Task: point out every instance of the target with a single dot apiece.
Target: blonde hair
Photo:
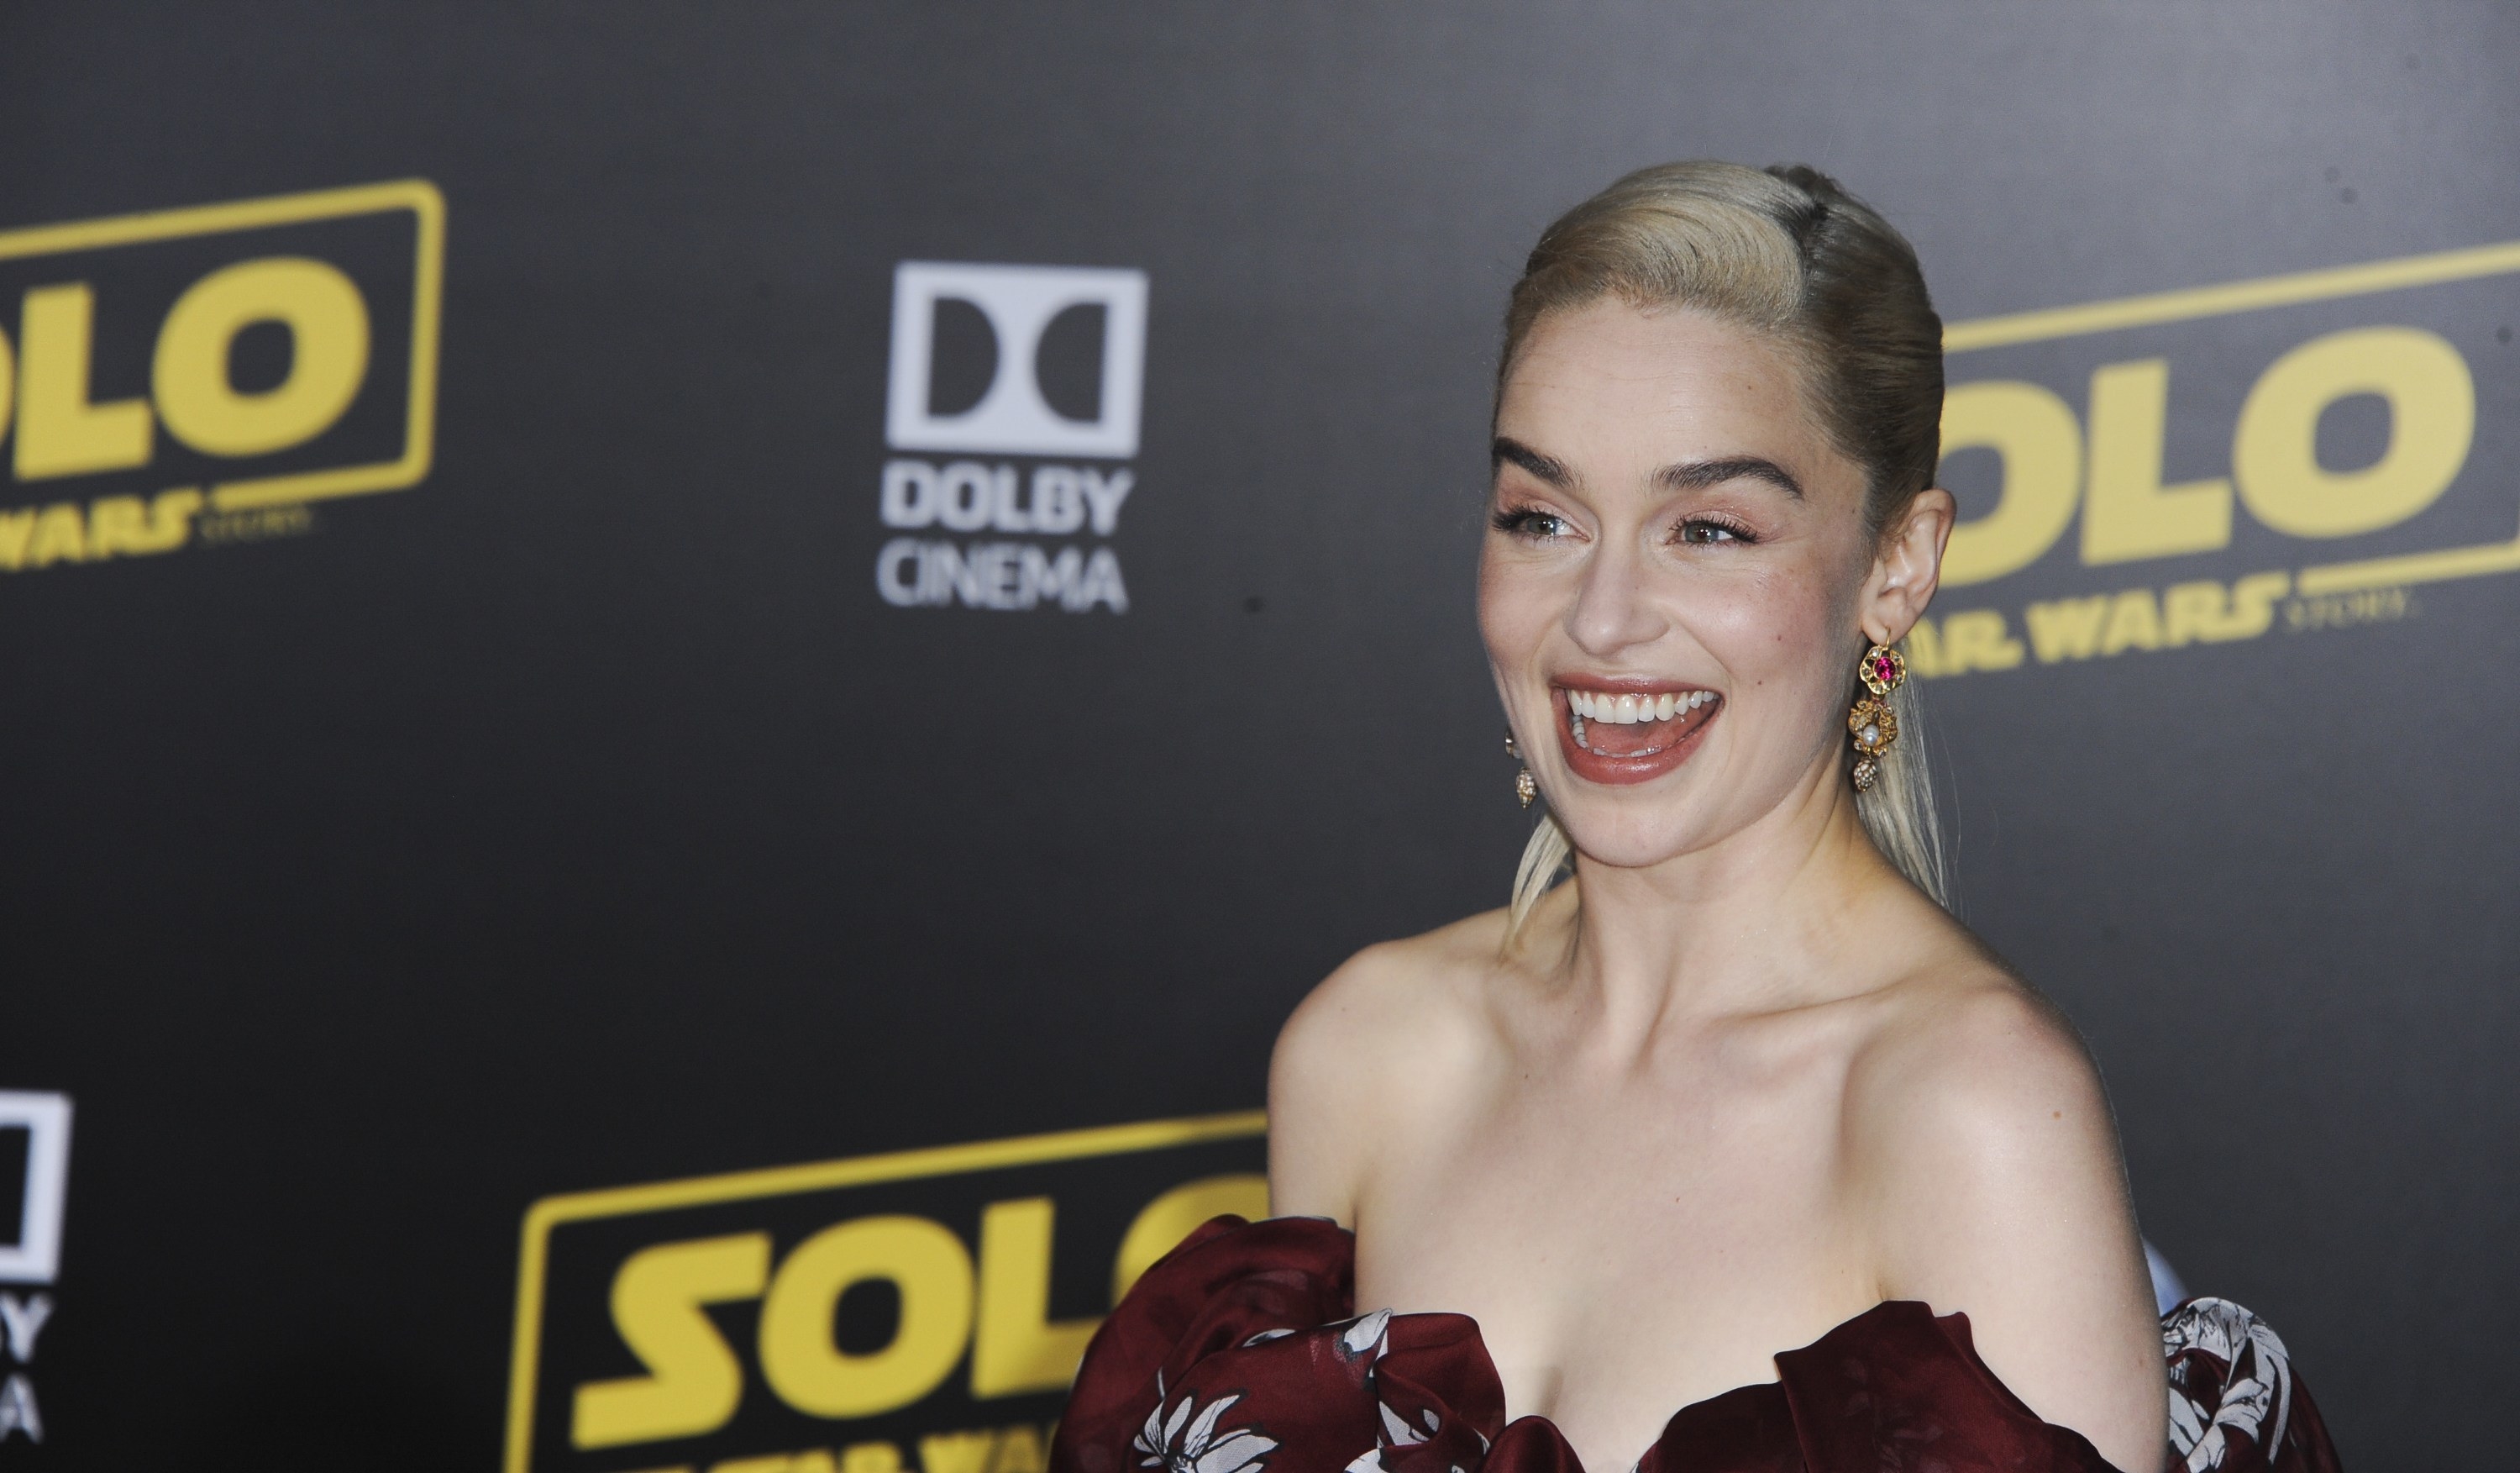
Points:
(1783, 251)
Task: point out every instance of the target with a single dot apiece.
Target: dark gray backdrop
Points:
(582, 816)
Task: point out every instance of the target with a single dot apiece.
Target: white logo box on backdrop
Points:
(35, 1254)
(1014, 418)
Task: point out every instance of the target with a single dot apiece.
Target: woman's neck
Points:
(1770, 917)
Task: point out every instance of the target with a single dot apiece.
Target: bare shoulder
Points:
(1986, 1162)
(1972, 1088)
(1374, 1038)
(1966, 1052)
(1388, 992)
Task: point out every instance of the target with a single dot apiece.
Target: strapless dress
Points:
(1243, 1352)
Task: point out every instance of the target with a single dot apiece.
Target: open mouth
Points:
(1632, 735)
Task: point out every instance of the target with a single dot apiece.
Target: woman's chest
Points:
(1623, 1260)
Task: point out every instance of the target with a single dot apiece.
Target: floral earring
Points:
(1872, 722)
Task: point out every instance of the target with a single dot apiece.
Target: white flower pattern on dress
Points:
(1370, 1337)
(2256, 1404)
(1184, 1442)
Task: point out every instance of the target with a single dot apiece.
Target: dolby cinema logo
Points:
(34, 1171)
(1013, 417)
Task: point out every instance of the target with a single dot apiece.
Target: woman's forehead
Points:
(1611, 389)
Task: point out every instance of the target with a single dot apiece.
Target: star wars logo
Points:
(34, 1175)
(1042, 362)
(202, 374)
(2293, 452)
(918, 1312)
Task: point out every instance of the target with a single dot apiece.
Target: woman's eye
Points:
(1702, 533)
(1530, 522)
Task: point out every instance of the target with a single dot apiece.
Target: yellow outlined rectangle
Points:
(429, 209)
(2289, 290)
(781, 1182)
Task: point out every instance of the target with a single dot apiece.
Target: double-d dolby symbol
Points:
(1013, 416)
(30, 1248)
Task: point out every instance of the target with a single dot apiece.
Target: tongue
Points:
(1643, 737)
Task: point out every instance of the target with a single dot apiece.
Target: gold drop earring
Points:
(1525, 787)
(1872, 722)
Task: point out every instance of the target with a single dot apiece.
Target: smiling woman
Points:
(1830, 287)
(1743, 1084)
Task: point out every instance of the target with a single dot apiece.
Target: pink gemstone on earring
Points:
(1882, 667)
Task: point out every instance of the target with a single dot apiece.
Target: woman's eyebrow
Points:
(1698, 475)
(1506, 449)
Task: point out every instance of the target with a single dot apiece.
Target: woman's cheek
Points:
(1513, 612)
(1762, 627)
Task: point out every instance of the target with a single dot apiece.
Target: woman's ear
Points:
(1908, 566)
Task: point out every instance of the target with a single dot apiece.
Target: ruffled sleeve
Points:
(2235, 1404)
(1176, 1375)
(1898, 1387)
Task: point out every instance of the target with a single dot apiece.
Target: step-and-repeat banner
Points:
(688, 685)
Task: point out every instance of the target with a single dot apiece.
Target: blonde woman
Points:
(1737, 1120)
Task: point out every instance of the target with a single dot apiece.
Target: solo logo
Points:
(213, 369)
(34, 1170)
(923, 1311)
(2297, 444)
(1036, 361)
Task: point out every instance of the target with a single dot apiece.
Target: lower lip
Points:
(1622, 771)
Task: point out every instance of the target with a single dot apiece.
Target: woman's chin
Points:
(1629, 841)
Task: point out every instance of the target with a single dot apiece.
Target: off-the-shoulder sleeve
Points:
(1899, 1388)
(1896, 1388)
(1242, 1353)
(1166, 1379)
(2237, 1405)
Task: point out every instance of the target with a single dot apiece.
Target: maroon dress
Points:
(1243, 1352)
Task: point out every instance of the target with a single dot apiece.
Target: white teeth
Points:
(1627, 709)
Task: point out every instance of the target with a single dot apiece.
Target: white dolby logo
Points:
(996, 362)
(1018, 302)
(32, 1252)
(38, 1123)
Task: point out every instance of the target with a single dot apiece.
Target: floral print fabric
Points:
(1243, 1352)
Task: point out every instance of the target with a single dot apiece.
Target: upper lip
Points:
(1623, 685)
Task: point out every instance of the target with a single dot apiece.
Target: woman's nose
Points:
(1612, 612)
